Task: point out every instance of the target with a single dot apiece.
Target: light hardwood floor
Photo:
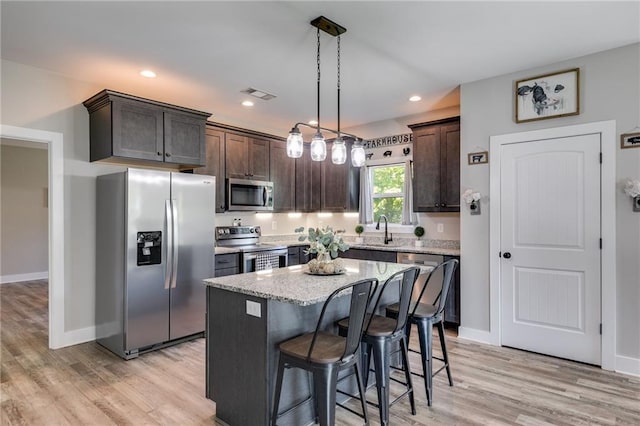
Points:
(87, 385)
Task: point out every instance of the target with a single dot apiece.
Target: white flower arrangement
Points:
(632, 188)
(323, 241)
(471, 197)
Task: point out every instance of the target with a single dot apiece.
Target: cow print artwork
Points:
(547, 96)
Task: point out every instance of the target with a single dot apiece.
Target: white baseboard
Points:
(628, 365)
(475, 335)
(24, 277)
(75, 337)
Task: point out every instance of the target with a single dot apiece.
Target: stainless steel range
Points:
(254, 255)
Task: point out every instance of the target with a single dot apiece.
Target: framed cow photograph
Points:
(630, 140)
(548, 96)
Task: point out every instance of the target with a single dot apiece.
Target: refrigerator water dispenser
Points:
(149, 248)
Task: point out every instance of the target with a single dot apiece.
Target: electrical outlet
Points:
(441, 227)
(274, 225)
(253, 309)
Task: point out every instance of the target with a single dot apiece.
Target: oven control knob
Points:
(252, 230)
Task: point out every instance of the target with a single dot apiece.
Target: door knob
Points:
(507, 255)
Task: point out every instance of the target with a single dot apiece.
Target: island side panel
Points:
(236, 358)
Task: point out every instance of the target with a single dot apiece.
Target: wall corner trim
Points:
(476, 335)
(627, 365)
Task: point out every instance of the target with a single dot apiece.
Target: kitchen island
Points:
(248, 315)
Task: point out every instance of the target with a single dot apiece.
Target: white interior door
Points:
(550, 242)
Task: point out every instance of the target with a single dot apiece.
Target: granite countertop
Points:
(438, 247)
(293, 285)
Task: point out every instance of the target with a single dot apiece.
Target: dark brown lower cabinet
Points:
(227, 264)
(366, 254)
(452, 305)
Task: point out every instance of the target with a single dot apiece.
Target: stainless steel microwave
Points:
(253, 195)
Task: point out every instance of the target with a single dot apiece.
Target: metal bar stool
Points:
(324, 355)
(425, 316)
(379, 334)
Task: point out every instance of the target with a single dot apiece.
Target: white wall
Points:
(38, 99)
(24, 213)
(609, 90)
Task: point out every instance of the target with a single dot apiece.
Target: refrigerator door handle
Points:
(168, 243)
(174, 244)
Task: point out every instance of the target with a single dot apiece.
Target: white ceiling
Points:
(205, 53)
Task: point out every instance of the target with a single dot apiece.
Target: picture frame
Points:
(630, 140)
(547, 96)
(481, 157)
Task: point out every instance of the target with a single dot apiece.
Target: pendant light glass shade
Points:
(294, 143)
(338, 151)
(318, 148)
(357, 155)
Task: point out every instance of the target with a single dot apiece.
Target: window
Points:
(387, 184)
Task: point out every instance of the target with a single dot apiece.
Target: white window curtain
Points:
(408, 216)
(366, 200)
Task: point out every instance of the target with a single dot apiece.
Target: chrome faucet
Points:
(387, 237)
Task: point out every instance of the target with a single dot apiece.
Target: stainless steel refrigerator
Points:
(154, 246)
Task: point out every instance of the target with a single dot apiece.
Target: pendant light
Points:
(318, 143)
(358, 157)
(339, 148)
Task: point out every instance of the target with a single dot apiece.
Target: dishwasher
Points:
(435, 283)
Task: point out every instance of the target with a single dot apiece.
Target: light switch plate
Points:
(253, 309)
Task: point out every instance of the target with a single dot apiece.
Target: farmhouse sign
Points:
(388, 141)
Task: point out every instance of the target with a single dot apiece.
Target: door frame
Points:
(54, 141)
(607, 131)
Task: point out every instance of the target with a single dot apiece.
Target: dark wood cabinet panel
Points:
(137, 130)
(215, 163)
(237, 161)
(450, 168)
(366, 254)
(436, 166)
(131, 130)
(426, 169)
(452, 305)
(259, 159)
(247, 157)
(308, 182)
(184, 139)
(227, 264)
(340, 189)
(283, 176)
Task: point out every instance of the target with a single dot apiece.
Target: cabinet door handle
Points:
(167, 155)
(444, 204)
(159, 153)
(437, 204)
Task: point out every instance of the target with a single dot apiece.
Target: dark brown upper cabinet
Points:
(308, 182)
(283, 176)
(322, 186)
(247, 157)
(215, 163)
(436, 166)
(131, 130)
(340, 189)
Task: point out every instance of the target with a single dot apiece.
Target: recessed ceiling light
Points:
(148, 73)
(313, 122)
(415, 98)
(247, 103)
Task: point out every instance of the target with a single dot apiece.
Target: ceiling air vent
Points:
(258, 94)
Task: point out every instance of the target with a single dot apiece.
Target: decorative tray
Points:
(324, 274)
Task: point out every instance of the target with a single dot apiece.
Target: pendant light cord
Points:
(318, 62)
(338, 86)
